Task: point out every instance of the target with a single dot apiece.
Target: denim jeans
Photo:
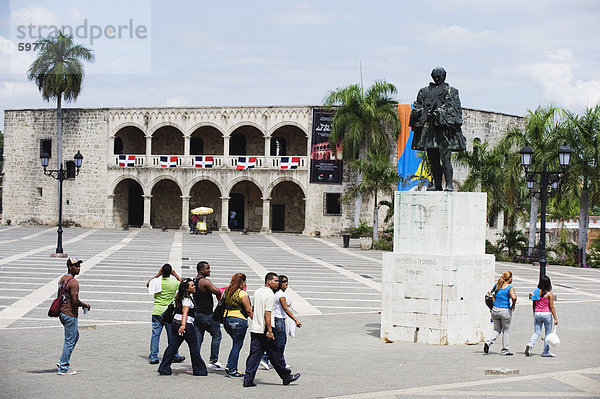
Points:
(539, 319)
(71, 338)
(236, 328)
(189, 336)
(280, 334)
(502, 318)
(202, 323)
(157, 326)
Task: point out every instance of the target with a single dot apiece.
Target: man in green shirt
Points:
(163, 296)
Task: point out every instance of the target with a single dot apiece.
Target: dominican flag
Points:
(289, 162)
(126, 161)
(168, 162)
(244, 163)
(203, 161)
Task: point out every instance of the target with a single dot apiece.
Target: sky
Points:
(503, 56)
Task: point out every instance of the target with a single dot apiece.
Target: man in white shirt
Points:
(261, 334)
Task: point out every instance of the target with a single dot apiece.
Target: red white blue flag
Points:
(126, 161)
(289, 162)
(244, 163)
(168, 162)
(203, 161)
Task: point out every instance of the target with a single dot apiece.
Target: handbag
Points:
(489, 299)
(168, 315)
(219, 312)
(552, 338)
(54, 310)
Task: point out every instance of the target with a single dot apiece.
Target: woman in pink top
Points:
(543, 311)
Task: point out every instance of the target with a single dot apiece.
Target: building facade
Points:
(149, 167)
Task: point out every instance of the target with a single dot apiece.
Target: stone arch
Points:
(227, 189)
(294, 137)
(163, 177)
(285, 123)
(126, 124)
(167, 140)
(132, 138)
(288, 207)
(204, 124)
(245, 199)
(253, 137)
(123, 177)
(128, 202)
(166, 204)
(188, 187)
(164, 124)
(206, 139)
(206, 192)
(242, 124)
(275, 182)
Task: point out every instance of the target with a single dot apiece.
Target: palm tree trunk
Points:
(362, 151)
(375, 220)
(535, 204)
(584, 220)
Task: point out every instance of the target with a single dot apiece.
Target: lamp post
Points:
(548, 183)
(61, 174)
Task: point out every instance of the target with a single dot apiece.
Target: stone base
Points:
(435, 299)
(55, 255)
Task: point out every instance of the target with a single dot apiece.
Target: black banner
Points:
(325, 168)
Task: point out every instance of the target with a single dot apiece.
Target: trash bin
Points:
(346, 238)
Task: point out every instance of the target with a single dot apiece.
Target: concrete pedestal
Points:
(434, 282)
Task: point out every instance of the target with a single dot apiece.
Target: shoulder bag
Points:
(54, 310)
(219, 312)
(169, 313)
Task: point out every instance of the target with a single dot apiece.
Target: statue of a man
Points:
(436, 119)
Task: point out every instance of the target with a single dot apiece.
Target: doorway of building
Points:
(136, 206)
(236, 211)
(279, 217)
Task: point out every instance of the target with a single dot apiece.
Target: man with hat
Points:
(69, 307)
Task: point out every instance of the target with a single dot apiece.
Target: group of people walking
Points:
(193, 301)
(505, 299)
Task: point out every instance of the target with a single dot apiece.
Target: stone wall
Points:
(90, 200)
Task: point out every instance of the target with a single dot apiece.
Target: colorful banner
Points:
(325, 163)
(410, 162)
(203, 161)
(168, 162)
(245, 163)
(289, 162)
(126, 161)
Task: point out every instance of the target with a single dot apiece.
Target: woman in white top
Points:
(183, 329)
(281, 308)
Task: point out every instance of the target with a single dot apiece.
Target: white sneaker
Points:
(264, 365)
(287, 366)
(549, 354)
(216, 366)
(69, 372)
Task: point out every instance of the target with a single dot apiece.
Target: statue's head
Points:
(439, 75)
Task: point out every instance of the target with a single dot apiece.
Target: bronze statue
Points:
(436, 119)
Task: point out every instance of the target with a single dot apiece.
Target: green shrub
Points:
(386, 240)
(363, 230)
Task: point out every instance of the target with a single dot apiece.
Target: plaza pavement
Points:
(336, 294)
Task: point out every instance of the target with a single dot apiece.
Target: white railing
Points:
(219, 161)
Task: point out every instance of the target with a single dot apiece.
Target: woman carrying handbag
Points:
(543, 312)
(502, 312)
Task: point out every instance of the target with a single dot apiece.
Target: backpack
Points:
(54, 310)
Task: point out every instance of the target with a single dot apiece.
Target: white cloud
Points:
(558, 83)
(39, 16)
(301, 14)
(14, 89)
(458, 36)
(176, 102)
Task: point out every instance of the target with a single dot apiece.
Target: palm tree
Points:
(379, 174)
(364, 122)
(582, 134)
(490, 171)
(58, 73)
(540, 129)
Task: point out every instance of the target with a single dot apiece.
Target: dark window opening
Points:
(196, 146)
(332, 204)
(46, 147)
(118, 147)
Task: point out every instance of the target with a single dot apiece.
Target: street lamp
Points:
(548, 183)
(61, 175)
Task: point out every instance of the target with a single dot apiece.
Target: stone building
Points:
(149, 166)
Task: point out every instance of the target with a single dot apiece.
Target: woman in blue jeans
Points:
(543, 312)
(237, 311)
(183, 329)
(281, 309)
(502, 312)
